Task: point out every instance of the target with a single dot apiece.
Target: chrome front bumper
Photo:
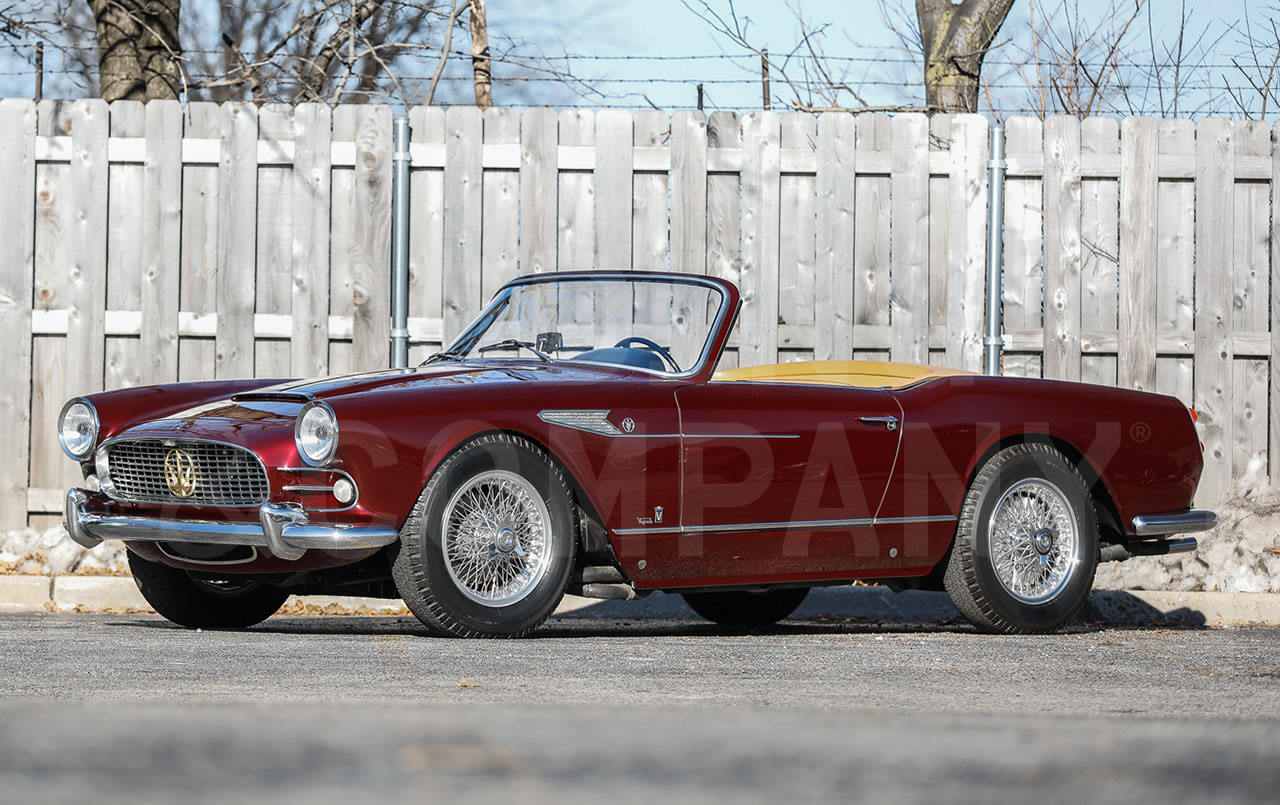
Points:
(284, 531)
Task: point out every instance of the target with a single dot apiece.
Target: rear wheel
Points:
(204, 602)
(1026, 544)
(489, 546)
(746, 607)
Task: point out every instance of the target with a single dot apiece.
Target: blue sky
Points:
(659, 35)
(667, 28)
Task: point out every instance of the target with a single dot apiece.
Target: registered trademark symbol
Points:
(1140, 432)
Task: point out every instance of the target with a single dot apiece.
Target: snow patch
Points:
(52, 553)
(1241, 555)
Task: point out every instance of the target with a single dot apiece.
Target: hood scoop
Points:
(273, 396)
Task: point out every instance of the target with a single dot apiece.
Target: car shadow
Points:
(667, 616)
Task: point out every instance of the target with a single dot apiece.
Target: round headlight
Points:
(316, 432)
(78, 428)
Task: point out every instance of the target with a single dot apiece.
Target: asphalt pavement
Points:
(600, 705)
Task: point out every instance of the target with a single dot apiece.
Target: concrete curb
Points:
(872, 604)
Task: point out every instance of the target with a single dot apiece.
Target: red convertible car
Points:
(579, 438)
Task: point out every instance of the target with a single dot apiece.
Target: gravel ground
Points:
(127, 708)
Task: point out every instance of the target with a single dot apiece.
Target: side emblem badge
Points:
(180, 473)
(628, 424)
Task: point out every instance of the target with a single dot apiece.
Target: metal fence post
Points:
(400, 246)
(995, 252)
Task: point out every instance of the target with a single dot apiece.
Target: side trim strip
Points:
(597, 421)
(811, 525)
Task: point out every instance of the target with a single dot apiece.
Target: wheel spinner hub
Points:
(1043, 541)
(505, 541)
(1033, 540)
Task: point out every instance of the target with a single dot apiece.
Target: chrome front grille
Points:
(185, 471)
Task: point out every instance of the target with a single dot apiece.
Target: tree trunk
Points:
(480, 55)
(138, 49)
(956, 37)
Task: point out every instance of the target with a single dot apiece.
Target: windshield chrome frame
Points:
(485, 319)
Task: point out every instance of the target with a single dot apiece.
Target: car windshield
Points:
(654, 324)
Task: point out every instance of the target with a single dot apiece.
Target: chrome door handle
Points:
(889, 422)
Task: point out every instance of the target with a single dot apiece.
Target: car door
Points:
(781, 481)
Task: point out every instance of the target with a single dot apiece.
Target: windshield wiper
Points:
(444, 356)
(512, 343)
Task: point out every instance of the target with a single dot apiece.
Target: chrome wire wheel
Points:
(1033, 541)
(496, 538)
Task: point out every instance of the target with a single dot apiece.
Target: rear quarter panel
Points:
(1143, 448)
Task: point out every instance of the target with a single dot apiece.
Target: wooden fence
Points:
(148, 244)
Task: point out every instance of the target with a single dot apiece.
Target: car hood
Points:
(443, 375)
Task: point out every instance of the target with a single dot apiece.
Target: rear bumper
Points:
(284, 531)
(1184, 522)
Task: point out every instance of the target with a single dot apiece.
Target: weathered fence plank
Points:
(939, 234)
(538, 174)
(1062, 259)
(309, 254)
(500, 247)
(871, 243)
(967, 242)
(1251, 295)
(1100, 245)
(761, 175)
(796, 244)
(909, 302)
(427, 232)
(576, 203)
(125, 223)
(274, 242)
(1175, 291)
(1215, 208)
(1138, 253)
(197, 286)
(650, 236)
(161, 243)
(17, 280)
(1274, 396)
(463, 205)
(371, 243)
(88, 234)
(614, 191)
(689, 192)
(237, 213)
(833, 234)
(1024, 270)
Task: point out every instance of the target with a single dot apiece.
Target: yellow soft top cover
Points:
(859, 374)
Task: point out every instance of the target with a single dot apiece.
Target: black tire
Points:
(204, 603)
(432, 587)
(1042, 498)
(746, 607)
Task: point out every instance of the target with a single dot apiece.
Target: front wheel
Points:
(746, 607)
(1026, 544)
(489, 546)
(199, 602)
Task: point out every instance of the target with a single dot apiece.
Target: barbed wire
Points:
(748, 60)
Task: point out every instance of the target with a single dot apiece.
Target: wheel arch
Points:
(1109, 524)
(589, 539)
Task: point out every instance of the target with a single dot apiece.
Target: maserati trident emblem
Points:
(180, 473)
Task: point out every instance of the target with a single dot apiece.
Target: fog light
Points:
(344, 490)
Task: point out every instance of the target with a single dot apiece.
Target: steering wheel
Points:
(652, 347)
